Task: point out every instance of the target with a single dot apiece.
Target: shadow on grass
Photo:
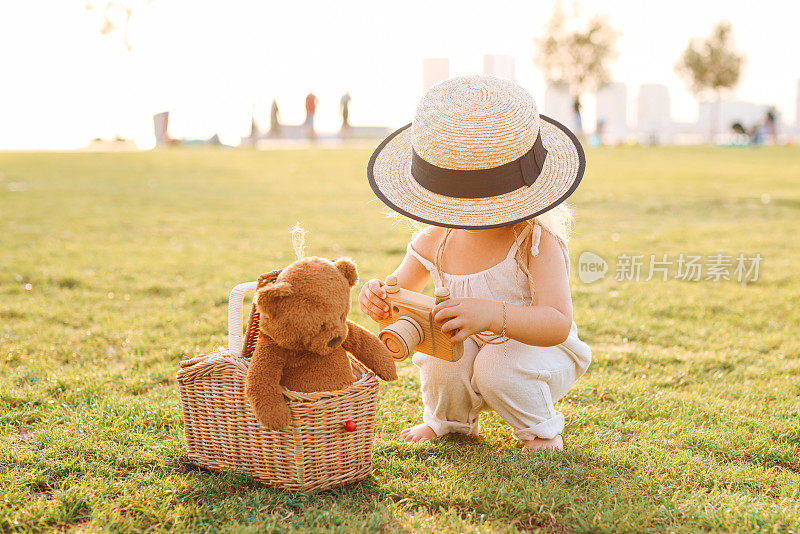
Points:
(470, 478)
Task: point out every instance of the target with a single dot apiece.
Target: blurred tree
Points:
(711, 65)
(576, 54)
(115, 21)
(117, 16)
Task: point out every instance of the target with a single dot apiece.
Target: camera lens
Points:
(402, 337)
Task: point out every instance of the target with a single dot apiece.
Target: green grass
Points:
(687, 420)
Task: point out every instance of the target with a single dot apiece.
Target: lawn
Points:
(116, 266)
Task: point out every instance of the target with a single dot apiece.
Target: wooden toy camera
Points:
(410, 326)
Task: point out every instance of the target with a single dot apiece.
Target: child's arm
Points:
(411, 275)
(544, 324)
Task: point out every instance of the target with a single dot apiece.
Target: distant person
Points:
(576, 110)
(742, 135)
(311, 109)
(344, 107)
(757, 134)
(274, 120)
(739, 129)
(597, 139)
(769, 126)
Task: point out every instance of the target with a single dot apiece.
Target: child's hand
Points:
(372, 301)
(465, 316)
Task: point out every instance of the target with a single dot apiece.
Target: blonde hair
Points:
(558, 221)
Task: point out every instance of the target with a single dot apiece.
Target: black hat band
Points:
(481, 183)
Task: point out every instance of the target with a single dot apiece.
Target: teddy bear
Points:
(305, 335)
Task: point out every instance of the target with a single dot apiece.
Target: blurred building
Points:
(161, 127)
(558, 104)
(612, 111)
(498, 65)
(434, 70)
(654, 115)
(797, 109)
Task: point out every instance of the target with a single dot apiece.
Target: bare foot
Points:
(550, 445)
(418, 434)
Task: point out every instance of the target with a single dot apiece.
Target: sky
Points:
(213, 64)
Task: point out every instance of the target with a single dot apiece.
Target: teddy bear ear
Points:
(271, 293)
(348, 268)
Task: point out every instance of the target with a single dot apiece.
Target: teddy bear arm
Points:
(368, 349)
(263, 387)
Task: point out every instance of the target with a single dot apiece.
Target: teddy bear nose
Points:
(334, 341)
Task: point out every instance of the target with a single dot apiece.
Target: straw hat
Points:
(478, 155)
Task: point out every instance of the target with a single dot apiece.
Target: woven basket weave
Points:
(315, 452)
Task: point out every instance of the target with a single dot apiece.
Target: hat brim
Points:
(389, 174)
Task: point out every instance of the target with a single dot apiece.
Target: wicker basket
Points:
(314, 452)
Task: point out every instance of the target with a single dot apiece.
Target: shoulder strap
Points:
(536, 236)
(420, 258)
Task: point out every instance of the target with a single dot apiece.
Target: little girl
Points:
(489, 175)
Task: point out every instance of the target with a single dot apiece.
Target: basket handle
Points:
(235, 304)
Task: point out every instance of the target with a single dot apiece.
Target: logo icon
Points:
(591, 267)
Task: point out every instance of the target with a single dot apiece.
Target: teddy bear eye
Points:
(322, 325)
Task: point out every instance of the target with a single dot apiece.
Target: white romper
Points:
(520, 384)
